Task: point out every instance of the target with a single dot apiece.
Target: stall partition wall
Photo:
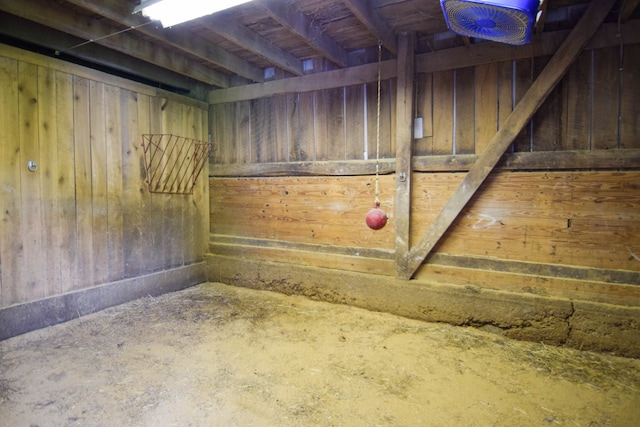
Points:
(83, 215)
(559, 216)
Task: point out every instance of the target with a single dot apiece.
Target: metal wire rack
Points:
(173, 163)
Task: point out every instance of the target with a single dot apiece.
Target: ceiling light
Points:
(173, 12)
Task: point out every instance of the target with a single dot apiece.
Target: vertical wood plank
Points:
(354, 122)
(522, 81)
(148, 216)
(464, 111)
(321, 128)
(336, 142)
(283, 127)
(404, 138)
(31, 193)
(11, 248)
(387, 101)
(303, 143)
(606, 96)
(548, 120)
(65, 180)
(263, 138)
(51, 238)
(486, 104)
(158, 236)
(131, 182)
(187, 208)
(99, 167)
(424, 108)
(578, 104)
(174, 254)
(115, 195)
(505, 92)
(630, 114)
(242, 132)
(84, 215)
(443, 112)
(202, 199)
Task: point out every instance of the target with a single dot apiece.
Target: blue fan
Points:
(506, 21)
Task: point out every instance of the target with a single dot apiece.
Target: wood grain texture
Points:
(85, 217)
(535, 96)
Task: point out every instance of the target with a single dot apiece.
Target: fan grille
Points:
(488, 22)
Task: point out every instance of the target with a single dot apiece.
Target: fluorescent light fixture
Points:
(173, 12)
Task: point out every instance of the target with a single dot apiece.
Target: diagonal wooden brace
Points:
(522, 113)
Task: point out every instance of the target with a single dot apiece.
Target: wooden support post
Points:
(535, 96)
(404, 138)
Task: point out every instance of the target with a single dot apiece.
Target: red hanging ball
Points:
(376, 218)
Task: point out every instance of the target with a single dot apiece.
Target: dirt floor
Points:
(215, 355)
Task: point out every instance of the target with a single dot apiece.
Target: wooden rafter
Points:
(55, 16)
(176, 38)
(522, 113)
(299, 24)
(226, 27)
(365, 13)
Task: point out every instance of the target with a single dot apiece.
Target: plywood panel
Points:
(11, 248)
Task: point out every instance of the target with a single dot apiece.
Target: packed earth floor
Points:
(214, 355)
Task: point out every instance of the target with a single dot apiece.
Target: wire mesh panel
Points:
(173, 163)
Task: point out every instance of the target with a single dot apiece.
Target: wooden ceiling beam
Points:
(627, 8)
(299, 24)
(522, 113)
(52, 15)
(225, 26)
(175, 37)
(365, 13)
(48, 38)
(442, 60)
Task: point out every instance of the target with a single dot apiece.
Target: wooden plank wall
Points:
(86, 216)
(568, 216)
(461, 111)
(332, 124)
